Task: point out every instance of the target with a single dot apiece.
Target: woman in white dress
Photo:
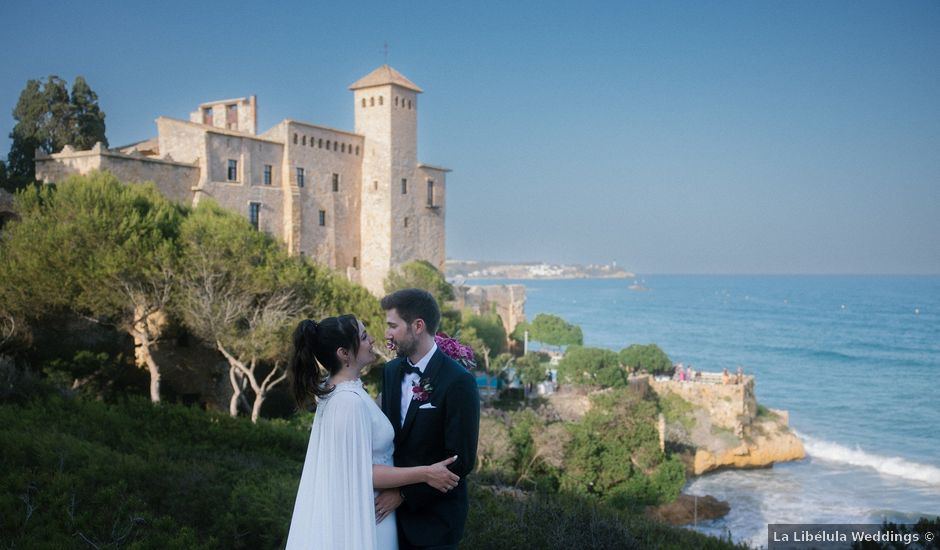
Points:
(349, 455)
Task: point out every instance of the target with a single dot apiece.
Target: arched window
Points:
(372, 101)
(327, 145)
(295, 138)
(396, 101)
(380, 100)
(357, 150)
(363, 102)
(320, 143)
(304, 140)
(409, 104)
(342, 147)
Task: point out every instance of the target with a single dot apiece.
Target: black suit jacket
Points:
(428, 517)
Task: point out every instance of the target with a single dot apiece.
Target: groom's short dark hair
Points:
(414, 303)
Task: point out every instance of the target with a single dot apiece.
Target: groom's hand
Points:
(386, 503)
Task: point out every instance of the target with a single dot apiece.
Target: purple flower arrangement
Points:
(461, 353)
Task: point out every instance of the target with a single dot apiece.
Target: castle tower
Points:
(386, 107)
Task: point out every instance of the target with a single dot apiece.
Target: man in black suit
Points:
(434, 405)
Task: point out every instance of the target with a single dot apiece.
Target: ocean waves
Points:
(887, 465)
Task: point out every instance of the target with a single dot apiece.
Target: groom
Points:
(439, 420)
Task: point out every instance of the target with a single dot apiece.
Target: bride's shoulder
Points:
(348, 395)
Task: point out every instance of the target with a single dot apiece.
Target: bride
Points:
(349, 455)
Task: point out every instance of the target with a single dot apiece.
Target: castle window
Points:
(231, 117)
(267, 174)
(380, 100)
(300, 177)
(327, 145)
(322, 218)
(254, 214)
(406, 221)
(363, 102)
(232, 170)
(304, 140)
(409, 104)
(355, 262)
(320, 143)
(404, 186)
(372, 102)
(207, 116)
(430, 193)
(342, 148)
(357, 150)
(375, 185)
(396, 101)
(295, 138)
(335, 183)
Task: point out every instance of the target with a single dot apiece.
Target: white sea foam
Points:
(888, 465)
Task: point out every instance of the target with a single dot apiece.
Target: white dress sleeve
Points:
(335, 506)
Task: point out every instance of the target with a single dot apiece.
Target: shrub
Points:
(649, 357)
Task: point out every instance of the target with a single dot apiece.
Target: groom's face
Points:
(400, 333)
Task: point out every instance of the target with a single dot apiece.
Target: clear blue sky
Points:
(688, 137)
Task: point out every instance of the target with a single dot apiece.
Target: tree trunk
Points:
(145, 359)
(256, 408)
(236, 392)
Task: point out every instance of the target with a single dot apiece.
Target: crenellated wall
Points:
(731, 406)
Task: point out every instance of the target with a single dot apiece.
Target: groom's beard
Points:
(406, 349)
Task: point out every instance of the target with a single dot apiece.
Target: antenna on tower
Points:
(386, 52)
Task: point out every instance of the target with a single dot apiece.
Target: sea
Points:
(854, 359)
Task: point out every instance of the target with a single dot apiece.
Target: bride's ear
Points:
(343, 355)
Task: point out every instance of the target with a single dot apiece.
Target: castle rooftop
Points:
(382, 76)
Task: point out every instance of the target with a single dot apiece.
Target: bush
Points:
(76, 472)
(592, 366)
(649, 358)
(614, 453)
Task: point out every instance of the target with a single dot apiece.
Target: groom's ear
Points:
(420, 326)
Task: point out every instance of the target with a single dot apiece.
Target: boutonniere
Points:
(421, 390)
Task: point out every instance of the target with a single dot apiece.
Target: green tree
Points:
(649, 357)
(532, 368)
(614, 453)
(99, 248)
(485, 334)
(551, 330)
(87, 126)
(242, 294)
(420, 274)
(592, 366)
(48, 119)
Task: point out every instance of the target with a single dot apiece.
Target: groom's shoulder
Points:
(455, 368)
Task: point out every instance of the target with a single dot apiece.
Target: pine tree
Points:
(87, 117)
(48, 119)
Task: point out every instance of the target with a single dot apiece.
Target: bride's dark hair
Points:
(317, 342)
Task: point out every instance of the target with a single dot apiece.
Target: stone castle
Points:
(358, 202)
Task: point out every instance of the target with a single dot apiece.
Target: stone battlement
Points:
(731, 406)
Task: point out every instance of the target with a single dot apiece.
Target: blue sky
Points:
(670, 137)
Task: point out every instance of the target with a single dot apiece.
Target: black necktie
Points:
(408, 368)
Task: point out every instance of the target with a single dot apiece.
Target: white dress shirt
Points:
(410, 379)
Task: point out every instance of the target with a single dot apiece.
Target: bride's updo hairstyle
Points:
(317, 343)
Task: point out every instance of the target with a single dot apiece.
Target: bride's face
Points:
(365, 355)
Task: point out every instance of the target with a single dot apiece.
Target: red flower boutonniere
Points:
(421, 390)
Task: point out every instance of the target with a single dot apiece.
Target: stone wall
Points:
(731, 406)
(508, 300)
(174, 179)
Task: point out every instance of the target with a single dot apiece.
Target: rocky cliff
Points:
(718, 425)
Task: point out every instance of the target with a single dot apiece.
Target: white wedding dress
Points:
(335, 506)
